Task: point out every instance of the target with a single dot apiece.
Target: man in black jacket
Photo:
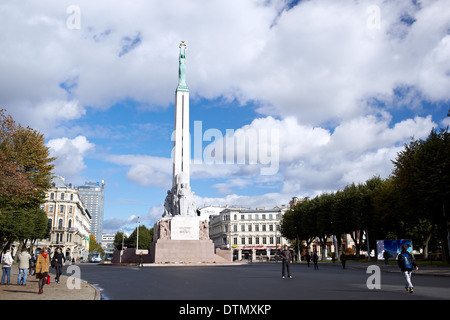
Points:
(58, 262)
(406, 264)
(286, 257)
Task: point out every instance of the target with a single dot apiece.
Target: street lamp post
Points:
(137, 240)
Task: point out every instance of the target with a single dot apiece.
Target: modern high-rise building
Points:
(93, 196)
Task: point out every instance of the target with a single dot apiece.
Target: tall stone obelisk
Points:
(181, 147)
(180, 199)
(181, 236)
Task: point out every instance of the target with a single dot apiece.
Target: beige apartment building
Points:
(69, 220)
(250, 234)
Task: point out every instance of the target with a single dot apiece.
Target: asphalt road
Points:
(257, 282)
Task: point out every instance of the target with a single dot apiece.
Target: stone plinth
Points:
(183, 251)
(182, 240)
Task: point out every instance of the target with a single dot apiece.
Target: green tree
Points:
(25, 173)
(322, 206)
(145, 238)
(21, 224)
(119, 239)
(422, 174)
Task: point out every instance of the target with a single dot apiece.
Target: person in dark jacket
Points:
(343, 259)
(386, 257)
(406, 264)
(286, 257)
(58, 262)
(315, 259)
(308, 258)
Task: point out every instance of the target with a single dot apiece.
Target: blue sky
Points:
(339, 86)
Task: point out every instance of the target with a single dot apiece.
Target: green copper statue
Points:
(182, 69)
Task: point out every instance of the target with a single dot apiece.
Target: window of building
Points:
(61, 208)
(235, 241)
(50, 208)
(60, 223)
(250, 227)
(264, 240)
(242, 227)
(242, 217)
(257, 240)
(62, 196)
(256, 227)
(263, 227)
(235, 227)
(52, 196)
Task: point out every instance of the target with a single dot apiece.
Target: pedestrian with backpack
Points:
(406, 264)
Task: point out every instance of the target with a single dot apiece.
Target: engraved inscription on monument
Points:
(184, 228)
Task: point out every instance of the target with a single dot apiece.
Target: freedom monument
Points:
(180, 236)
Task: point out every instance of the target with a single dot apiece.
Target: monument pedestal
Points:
(183, 251)
(183, 240)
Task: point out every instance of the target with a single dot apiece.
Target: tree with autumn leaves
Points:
(25, 174)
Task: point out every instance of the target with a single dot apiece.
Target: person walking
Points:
(58, 261)
(343, 260)
(308, 258)
(286, 257)
(6, 267)
(33, 265)
(407, 263)
(42, 267)
(24, 263)
(141, 260)
(315, 259)
(386, 257)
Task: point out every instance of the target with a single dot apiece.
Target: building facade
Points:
(251, 234)
(68, 219)
(93, 196)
